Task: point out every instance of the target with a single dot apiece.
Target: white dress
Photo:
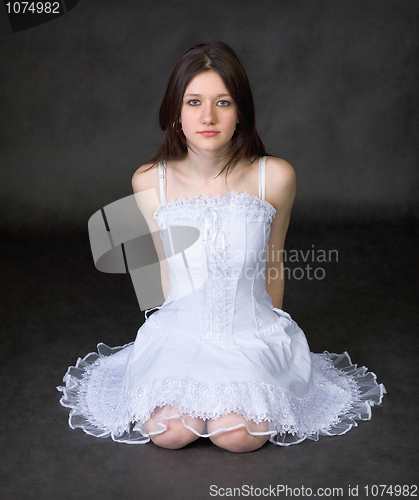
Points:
(222, 347)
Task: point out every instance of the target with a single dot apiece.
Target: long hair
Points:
(221, 58)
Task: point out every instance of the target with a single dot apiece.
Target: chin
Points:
(215, 146)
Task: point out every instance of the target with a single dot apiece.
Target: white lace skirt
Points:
(270, 378)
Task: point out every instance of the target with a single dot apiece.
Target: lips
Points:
(208, 133)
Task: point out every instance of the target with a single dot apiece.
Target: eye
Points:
(193, 102)
(224, 103)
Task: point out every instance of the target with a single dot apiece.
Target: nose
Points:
(208, 114)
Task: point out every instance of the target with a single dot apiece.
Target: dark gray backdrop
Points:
(335, 85)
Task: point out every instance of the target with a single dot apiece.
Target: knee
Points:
(176, 435)
(238, 440)
(172, 439)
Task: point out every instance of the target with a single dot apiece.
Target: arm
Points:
(146, 188)
(280, 192)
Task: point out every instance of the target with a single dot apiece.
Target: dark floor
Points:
(57, 307)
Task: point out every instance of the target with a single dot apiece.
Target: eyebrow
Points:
(199, 95)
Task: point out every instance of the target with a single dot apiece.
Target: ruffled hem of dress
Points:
(369, 393)
(74, 397)
(123, 419)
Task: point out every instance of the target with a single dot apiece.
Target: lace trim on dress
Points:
(94, 389)
(235, 204)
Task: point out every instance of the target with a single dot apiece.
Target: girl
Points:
(220, 358)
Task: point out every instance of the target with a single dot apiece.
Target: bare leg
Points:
(237, 440)
(176, 435)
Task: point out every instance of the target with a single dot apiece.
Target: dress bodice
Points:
(220, 280)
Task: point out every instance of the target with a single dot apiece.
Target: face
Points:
(209, 114)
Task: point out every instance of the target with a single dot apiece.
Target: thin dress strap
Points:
(162, 180)
(261, 177)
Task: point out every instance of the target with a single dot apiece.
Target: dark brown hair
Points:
(221, 58)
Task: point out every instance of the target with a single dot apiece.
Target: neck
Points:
(204, 165)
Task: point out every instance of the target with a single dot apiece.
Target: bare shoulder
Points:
(145, 177)
(280, 183)
(145, 184)
(279, 172)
